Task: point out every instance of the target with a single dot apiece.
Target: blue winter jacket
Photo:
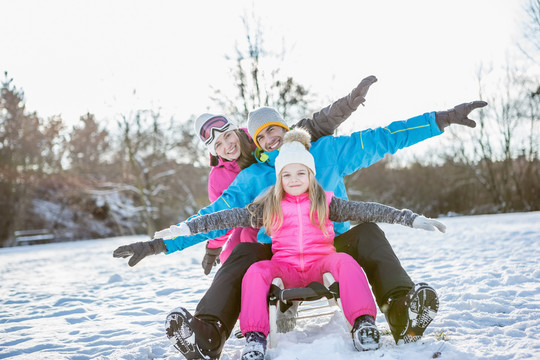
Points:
(335, 157)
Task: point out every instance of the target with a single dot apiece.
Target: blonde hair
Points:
(267, 208)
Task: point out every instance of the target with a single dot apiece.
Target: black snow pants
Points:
(366, 243)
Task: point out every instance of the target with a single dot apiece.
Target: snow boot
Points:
(256, 346)
(195, 338)
(408, 316)
(365, 333)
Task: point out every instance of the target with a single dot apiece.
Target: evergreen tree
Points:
(19, 153)
(87, 147)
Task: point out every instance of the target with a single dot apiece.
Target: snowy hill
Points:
(75, 301)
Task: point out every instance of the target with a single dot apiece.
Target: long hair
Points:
(267, 207)
(247, 146)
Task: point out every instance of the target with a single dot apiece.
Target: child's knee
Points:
(343, 258)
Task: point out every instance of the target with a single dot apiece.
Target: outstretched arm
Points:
(327, 120)
(224, 219)
(341, 210)
(219, 220)
(364, 148)
(247, 185)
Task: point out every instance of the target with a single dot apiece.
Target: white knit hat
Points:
(294, 150)
(209, 128)
(261, 118)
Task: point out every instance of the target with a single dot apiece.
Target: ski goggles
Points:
(211, 126)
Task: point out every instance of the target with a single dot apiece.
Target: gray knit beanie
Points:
(261, 118)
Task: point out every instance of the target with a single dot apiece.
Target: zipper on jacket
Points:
(301, 235)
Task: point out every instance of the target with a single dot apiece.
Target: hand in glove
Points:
(422, 222)
(210, 259)
(358, 94)
(458, 115)
(173, 231)
(140, 250)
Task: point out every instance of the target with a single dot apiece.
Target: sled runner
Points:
(284, 304)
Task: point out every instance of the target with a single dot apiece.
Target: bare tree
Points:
(158, 171)
(258, 80)
(530, 45)
(507, 135)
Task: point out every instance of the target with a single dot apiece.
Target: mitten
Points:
(140, 250)
(358, 94)
(210, 259)
(422, 222)
(328, 119)
(458, 115)
(173, 231)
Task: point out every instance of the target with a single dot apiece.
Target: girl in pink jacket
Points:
(303, 245)
(232, 150)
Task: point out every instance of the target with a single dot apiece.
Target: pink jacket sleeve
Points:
(216, 186)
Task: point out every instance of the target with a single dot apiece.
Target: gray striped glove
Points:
(140, 250)
(458, 115)
(210, 259)
(358, 94)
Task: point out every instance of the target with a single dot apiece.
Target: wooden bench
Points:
(33, 237)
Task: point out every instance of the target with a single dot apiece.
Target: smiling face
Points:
(271, 137)
(295, 179)
(227, 146)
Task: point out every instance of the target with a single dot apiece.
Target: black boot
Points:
(255, 347)
(195, 338)
(365, 333)
(410, 314)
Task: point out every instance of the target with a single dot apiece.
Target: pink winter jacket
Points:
(298, 242)
(219, 179)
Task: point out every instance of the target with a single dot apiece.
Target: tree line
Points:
(147, 172)
(143, 172)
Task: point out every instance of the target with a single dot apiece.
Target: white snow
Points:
(75, 301)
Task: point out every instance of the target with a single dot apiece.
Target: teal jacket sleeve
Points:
(240, 193)
(366, 147)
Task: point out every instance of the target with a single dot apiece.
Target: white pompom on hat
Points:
(295, 150)
(261, 118)
(209, 134)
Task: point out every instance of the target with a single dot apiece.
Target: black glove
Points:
(140, 250)
(458, 115)
(358, 94)
(210, 259)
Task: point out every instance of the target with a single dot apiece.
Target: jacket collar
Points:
(294, 198)
(266, 157)
(231, 165)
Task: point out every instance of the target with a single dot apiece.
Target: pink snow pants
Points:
(355, 293)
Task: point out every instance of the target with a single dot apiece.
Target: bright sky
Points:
(74, 56)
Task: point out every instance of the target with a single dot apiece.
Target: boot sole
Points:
(253, 356)
(182, 336)
(423, 305)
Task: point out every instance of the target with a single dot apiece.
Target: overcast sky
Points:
(73, 56)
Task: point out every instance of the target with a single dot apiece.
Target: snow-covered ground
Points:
(75, 301)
